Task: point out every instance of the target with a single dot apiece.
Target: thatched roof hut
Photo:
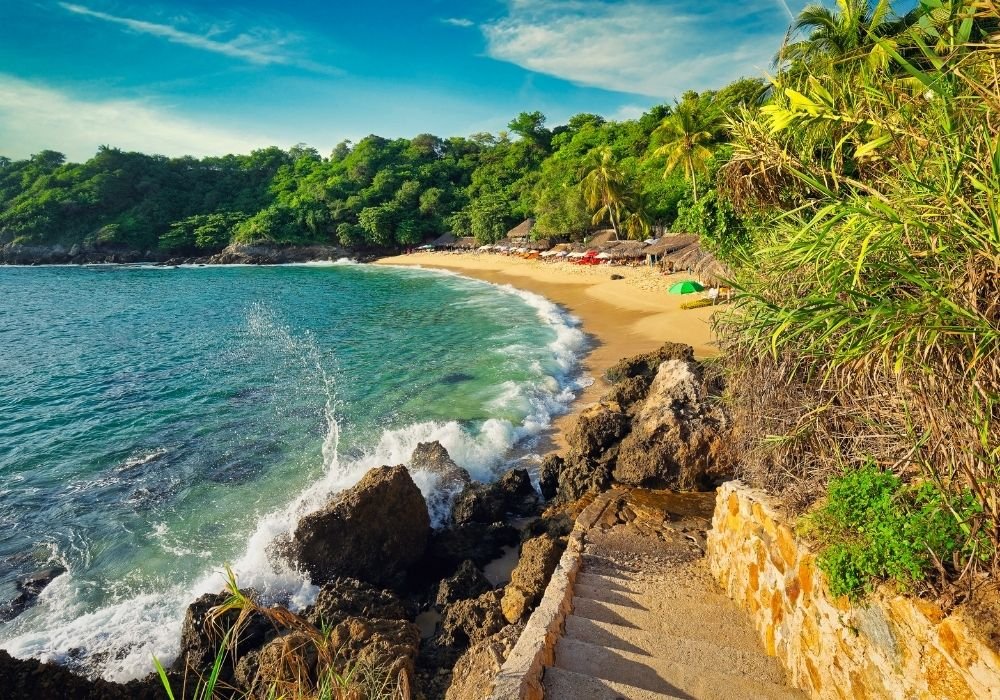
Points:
(626, 250)
(671, 244)
(445, 240)
(540, 244)
(466, 243)
(521, 233)
(601, 238)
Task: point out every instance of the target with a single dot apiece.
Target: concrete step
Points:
(649, 595)
(710, 656)
(662, 676)
(560, 684)
(719, 624)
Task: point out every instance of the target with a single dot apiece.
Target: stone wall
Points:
(889, 647)
(520, 678)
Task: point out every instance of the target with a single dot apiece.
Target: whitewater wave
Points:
(120, 640)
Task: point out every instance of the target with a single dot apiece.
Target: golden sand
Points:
(623, 317)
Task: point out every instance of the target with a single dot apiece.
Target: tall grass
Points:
(868, 326)
(335, 676)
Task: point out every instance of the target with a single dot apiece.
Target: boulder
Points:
(480, 542)
(202, 636)
(617, 277)
(28, 589)
(30, 678)
(434, 458)
(378, 653)
(598, 428)
(539, 557)
(286, 665)
(476, 670)
(630, 392)
(372, 532)
(548, 475)
(385, 648)
(490, 503)
(469, 621)
(648, 363)
(467, 582)
(676, 435)
(432, 463)
(347, 597)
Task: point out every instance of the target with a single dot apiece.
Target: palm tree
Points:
(848, 32)
(688, 132)
(605, 188)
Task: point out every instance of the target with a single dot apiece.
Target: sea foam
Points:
(120, 640)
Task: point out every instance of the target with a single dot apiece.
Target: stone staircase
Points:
(648, 622)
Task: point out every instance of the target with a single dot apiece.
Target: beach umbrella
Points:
(686, 287)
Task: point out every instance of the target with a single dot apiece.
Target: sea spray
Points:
(140, 612)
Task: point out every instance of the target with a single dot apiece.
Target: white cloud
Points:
(626, 112)
(654, 48)
(35, 117)
(458, 22)
(258, 47)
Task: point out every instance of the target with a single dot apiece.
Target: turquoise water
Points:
(155, 423)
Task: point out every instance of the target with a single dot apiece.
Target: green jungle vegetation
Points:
(378, 193)
(854, 195)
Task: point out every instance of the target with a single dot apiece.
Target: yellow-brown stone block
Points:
(777, 607)
(806, 579)
(942, 679)
(787, 545)
(734, 504)
(753, 574)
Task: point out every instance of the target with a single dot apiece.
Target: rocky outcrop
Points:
(469, 621)
(263, 254)
(467, 582)
(29, 678)
(85, 254)
(658, 426)
(448, 480)
(511, 494)
(388, 647)
(476, 669)
(480, 542)
(372, 532)
(348, 597)
(28, 589)
(203, 632)
(676, 434)
(539, 557)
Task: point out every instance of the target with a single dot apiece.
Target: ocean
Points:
(157, 424)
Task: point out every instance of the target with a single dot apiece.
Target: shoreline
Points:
(621, 318)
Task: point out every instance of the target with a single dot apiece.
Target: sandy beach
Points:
(623, 317)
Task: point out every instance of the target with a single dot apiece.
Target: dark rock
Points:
(677, 432)
(629, 392)
(469, 621)
(548, 475)
(490, 503)
(617, 277)
(434, 458)
(348, 597)
(539, 557)
(371, 532)
(28, 589)
(202, 636)
(467, 582)
(476, 671)
(480, 542)
(29, 678)
(262, 254)
(389, 647)
(597, 429)
(647, 363)
(285, 665)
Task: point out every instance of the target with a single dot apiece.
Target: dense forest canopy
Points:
(378, 193)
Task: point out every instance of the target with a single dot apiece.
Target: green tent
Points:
(686, 287)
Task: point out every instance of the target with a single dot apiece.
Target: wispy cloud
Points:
(35, 117)
(649, 47)
(459, 22)
(256, 47)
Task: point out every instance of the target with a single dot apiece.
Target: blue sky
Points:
(207, 77)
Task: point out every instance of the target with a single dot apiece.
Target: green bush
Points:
(874, 528)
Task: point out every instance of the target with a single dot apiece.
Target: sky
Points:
(208, 77)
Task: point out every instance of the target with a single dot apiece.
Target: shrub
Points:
(873, 527)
